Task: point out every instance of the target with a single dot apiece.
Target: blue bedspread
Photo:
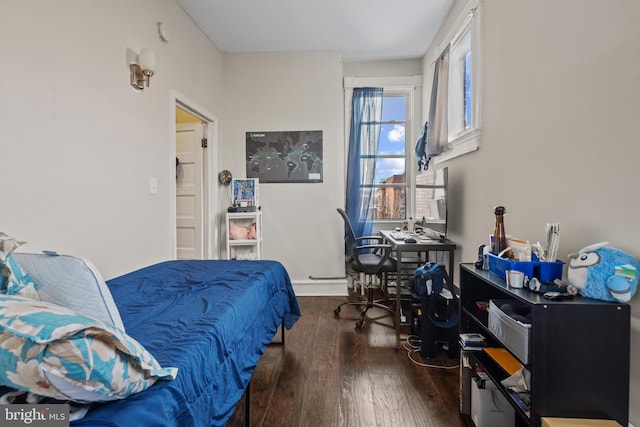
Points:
(210, 319)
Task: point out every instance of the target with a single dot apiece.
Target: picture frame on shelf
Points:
(245, 194)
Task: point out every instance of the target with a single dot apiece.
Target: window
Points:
(465, 67)
(460, 96)
(392, 194)
(390, 184)
(431, 199)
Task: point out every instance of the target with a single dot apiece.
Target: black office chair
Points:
(370, 256)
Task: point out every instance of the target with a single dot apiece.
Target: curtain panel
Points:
(364, 138)
(438, 131)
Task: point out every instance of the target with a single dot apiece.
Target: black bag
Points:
(428, 282)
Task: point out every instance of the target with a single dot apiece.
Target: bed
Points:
(209, 319)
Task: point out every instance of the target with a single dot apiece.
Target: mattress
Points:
(210, 319)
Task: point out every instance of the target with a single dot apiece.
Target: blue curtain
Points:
(361, 163)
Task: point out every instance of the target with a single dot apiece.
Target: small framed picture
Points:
(245, 192)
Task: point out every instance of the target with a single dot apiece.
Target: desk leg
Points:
(398, 296)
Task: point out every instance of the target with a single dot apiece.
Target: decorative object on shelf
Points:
(605, 273)
(242, 232)
(245, 194)
(143, 68)
(499, 234)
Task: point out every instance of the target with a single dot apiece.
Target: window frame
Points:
(411, 87)
(468, 139)
(407, 112)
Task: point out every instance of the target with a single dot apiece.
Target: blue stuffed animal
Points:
(605, 273)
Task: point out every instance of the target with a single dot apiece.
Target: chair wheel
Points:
(337, 311)
(359, 323)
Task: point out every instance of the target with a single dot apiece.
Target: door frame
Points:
(210, 164)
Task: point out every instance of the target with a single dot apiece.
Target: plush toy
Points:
(241, 232)
(605, 273)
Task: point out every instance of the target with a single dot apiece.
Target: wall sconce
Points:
(142, 71)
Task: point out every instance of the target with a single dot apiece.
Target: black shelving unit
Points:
(579, 351)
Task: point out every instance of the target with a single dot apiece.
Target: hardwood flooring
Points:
(330, 374)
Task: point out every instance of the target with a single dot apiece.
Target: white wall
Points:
(559, 132)
(392, 68)
(280, 92)
(78, 144)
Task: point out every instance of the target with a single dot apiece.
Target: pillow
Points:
(53, 351)
(13, 279)
(71, 282)
(7, 245)
(18, 281)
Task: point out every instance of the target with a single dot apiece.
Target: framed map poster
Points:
(287, 156)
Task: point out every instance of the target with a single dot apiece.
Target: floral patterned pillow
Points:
(13, 279)
(53, 351)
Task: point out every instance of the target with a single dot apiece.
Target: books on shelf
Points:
(472, 341)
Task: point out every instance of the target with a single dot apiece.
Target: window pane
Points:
(467, 90)
(460, 84)
(390, 203)
(392, 139)
(430, 177)
(368, 133)
(390, 171)
(430, 204)
(393, 108)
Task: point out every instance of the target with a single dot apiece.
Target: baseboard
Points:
(318, 288)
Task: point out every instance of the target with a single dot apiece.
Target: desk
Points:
(423, 245)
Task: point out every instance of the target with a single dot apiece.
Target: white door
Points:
(189, 191)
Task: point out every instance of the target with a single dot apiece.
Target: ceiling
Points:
(360, 29)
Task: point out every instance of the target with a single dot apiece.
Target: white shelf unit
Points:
(244, 248)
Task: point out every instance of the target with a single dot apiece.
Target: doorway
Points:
(190, 131)
(193, 139)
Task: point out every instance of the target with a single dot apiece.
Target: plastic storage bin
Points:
(499, 266)
(513, 334)
(546, 271)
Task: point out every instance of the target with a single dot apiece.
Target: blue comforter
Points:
(210, 319)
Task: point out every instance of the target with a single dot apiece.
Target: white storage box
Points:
(489, 407)
(513, 334)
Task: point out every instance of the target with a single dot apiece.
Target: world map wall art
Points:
(287, 156)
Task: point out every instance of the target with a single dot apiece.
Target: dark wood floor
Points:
(330, 374)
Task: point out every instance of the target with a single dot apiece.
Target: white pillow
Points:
(71, 282)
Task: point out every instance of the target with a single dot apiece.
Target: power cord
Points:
(413, 344)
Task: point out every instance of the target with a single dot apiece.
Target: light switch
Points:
(153, 185)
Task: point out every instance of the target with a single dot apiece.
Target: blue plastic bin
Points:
(544, 271)
(548, 271)
(499, 266)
